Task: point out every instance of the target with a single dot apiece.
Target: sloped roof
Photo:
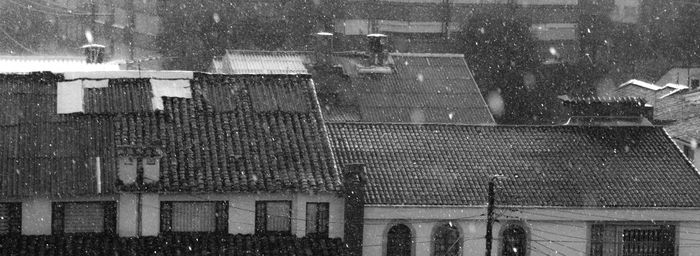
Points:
(235, 133)
(567, 166)
(421, 88)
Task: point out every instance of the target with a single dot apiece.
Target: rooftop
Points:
(561, 166)
(412, 87)
(218, 133)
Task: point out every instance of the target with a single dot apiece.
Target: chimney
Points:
(324, 42)
(323, 47)
(376, 43)
(353, 178)
(94, 53)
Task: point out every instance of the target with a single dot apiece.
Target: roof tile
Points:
(575, 166)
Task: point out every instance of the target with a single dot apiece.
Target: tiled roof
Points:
(235, 133)
(422, 88)
(177, 244)
(569, 166)
(240, 134)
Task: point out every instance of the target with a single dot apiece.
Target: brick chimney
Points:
(353, 178)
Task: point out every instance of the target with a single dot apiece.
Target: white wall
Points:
(242, 209)
(679, 76)
(36, 212)
(564, 230)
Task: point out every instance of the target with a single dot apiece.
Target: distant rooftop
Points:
(27, 64)
(407, 87)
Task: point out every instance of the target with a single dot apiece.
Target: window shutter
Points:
(166, 217)
(221, 214)
(260, 217)
(110, 216)
(15, 218)
(57, 214)
(323, 219)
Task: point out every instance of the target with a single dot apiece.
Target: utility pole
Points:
(489, 212)
(489, 216)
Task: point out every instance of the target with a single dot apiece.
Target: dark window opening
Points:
(694, 83)
(10, 218)
(689, 152)
(317, 219)
(273, 217)
(447, 240)
(399, 241)
(514, 241)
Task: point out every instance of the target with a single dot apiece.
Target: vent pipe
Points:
(376, 43)
(94, 53)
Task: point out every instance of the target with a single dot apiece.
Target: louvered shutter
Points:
(260, 217)
(15, 218)
(84, 217)
(193, 217)
(166, 216)
(222, 216)
(4, 219)
(57, 218)
(110, 217)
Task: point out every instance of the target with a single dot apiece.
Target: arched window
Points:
(446, 240)
(399, 241)
(514, 241)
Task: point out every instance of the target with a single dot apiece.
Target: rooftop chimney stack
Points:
(324, 42)
(94, 53)
(376, 48)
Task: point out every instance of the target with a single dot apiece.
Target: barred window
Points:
(447, 240)
(514, 241)
(194, 216)
(84, 217)
(617, 239)
(10, 218)
(273, 217)
(317, 219)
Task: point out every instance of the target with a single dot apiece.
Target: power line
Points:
(15, 41)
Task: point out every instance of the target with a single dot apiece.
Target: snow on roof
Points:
(676, 88)
(640, 83)
(56, 64)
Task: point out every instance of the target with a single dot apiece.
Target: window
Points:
(84, 217)
(446, 240)
(613, 239)
(689, 152)
(194, 216)
(317, 219)
(399, 241)
(694, 83)
(273, 217)
(514, 242)
(10, 218)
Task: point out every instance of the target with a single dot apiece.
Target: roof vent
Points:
(94, 53)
